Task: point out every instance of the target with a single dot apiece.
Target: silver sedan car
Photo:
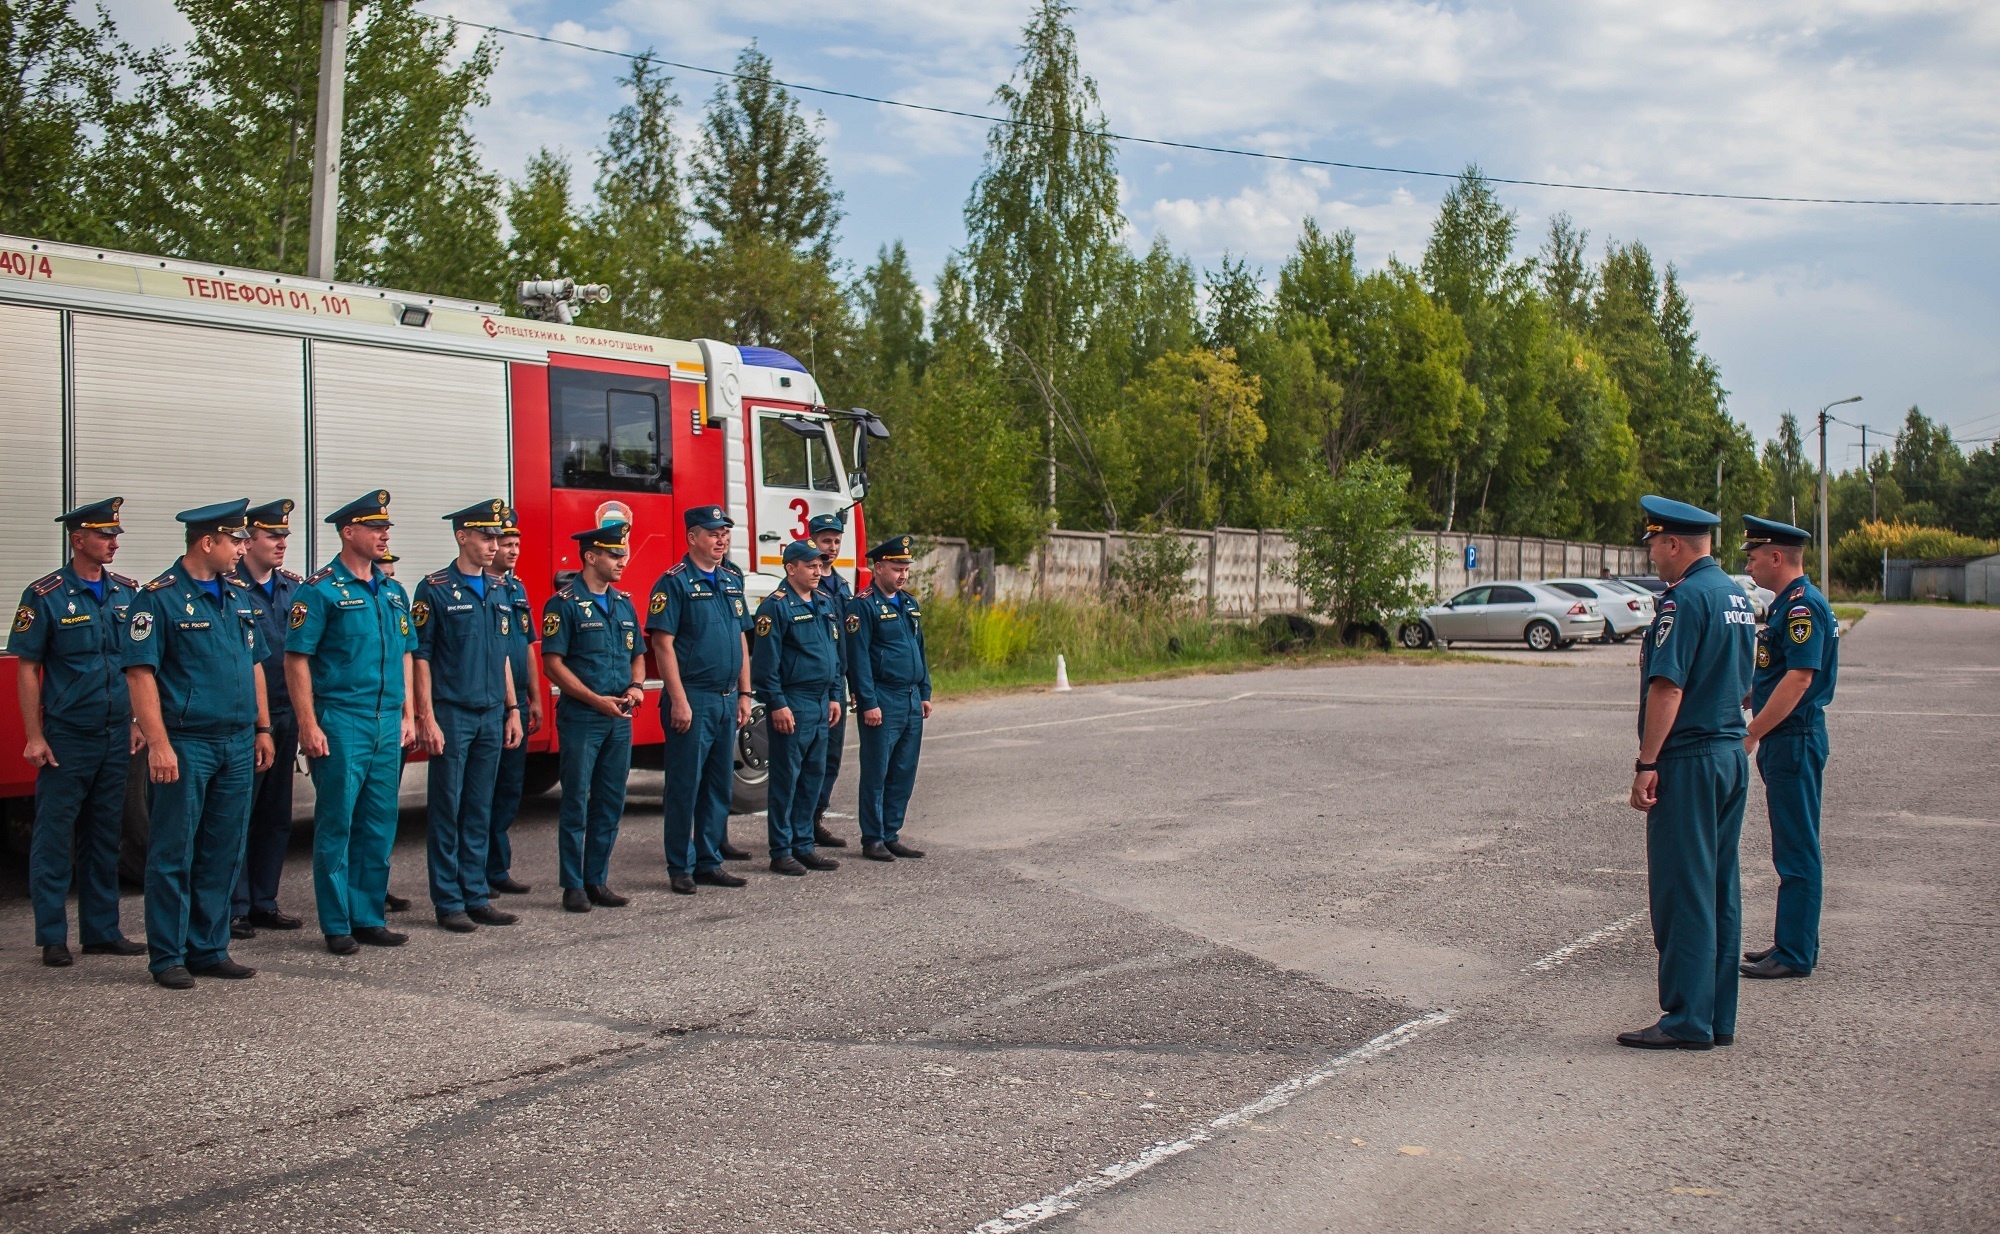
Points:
(1511, 611)
(1627, 610)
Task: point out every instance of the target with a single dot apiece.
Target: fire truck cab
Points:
(173, 384)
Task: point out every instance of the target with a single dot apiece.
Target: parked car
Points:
(1625, 613)
(1513, 610)
(1644, 581)
(1759, 597)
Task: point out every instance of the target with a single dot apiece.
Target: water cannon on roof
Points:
(550, 299)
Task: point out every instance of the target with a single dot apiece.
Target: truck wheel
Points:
(1541, 636)
(543, 771)
(753, 765)
(138, 825)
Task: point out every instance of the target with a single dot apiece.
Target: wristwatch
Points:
(264, 730)
(1639, 765)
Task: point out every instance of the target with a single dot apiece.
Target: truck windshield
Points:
(792, 461)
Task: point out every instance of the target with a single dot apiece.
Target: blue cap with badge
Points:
(510, 522)
(895, 548)
(273, 516)
(1665, 516)
(228, 518)
(610, 538)
(488, 516)
(802, 550)
(708, 518)
(826, 522)
(371, 510)
(1758, 532)
(96, 516)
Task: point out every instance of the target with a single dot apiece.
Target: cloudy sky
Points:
(1799, 304)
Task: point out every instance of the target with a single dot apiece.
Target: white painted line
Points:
(1109, 715)
(1072, 1197)
(1563, 955)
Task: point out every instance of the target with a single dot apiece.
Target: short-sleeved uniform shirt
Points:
(203, 653)
(521, 639)
(78, 640)
(272, 601)
(1703, 640)
(886, 647)
(356, 632)
(1799, 632)
(464, 627)
(707, 618)
(796, 648)
(597, 636)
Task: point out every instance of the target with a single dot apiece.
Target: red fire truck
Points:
(174, 384)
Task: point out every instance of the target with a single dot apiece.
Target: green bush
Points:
(973, 645)
(1857, 557)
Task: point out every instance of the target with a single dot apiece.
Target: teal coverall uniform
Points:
(598, 638)
(836, 589)
(887, 668)
(795, 662)
(1799, 633)
(355, 633)
(75, 632)
(463, 628)
(203, 654)
(512, 775)
(1701, 640)
(707, 616)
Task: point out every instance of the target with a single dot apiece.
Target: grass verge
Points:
(1848, 614)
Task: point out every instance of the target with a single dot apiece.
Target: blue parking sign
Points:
(1472, 556)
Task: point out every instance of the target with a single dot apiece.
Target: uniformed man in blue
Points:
(194, 669)
(508, 784)
(268, 586)
(348, 650)
(467, 712)
(77, 715)
(795, 666)
(892, 687)
(1798, 657)
(695, 622)
(829, 532)
(1692, 777)
(592, 650)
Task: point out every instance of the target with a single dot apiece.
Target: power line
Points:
(1194, 146)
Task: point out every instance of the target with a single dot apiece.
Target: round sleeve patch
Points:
(298, 616)
(1800, 628)
(1666, 628)
(853, 623)
(763, 624)
(23, 618)
(421, 610)
(658, 604)
(551, 622)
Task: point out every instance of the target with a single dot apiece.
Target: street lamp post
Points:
(1824, 581)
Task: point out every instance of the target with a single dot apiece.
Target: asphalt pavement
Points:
(1299, 950)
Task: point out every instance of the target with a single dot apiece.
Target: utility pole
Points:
(326, 137)
(1822, 530)
(1872, 516)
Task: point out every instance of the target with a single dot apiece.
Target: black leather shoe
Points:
(224, 968)
(116, 946)
(826, 839)
(273, 920)
(457, 923)
(903, 850)
(605, 897)
(787, 866)
(342, 944)
(1725, 1039)
(1652, 1037)
(1760, 954)
(56, 955)
(575, 900)
(877, 852)
(1770, 968)
(720, 878)
(509, 886)
(732, 853)
(379, 936)
(486, 914)
(175, 978)
(395, 904)
(813, 861)
(681, 884)
(240, 927)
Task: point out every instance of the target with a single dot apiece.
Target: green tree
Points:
(892, 313)
(1354, 561)
(1927, 466)
(1192, 416)
(636, 238)
(1238, 309)
(1975, 505)
(58, 89)
(1567, 278)
(547, 233)
(1794, 479)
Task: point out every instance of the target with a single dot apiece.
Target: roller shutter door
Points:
(431, 429)
(172, 416)
(31, 462)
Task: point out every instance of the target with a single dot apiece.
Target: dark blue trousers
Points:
(1792, 765)
(836, 742)
(596, 762)
(79, 820)
(354, 815)
(798, 761)
(508, 782)
(889, 753)
(701, 770)
(1691, 838)
(460, 815)
(270, 823)
(198, 823)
